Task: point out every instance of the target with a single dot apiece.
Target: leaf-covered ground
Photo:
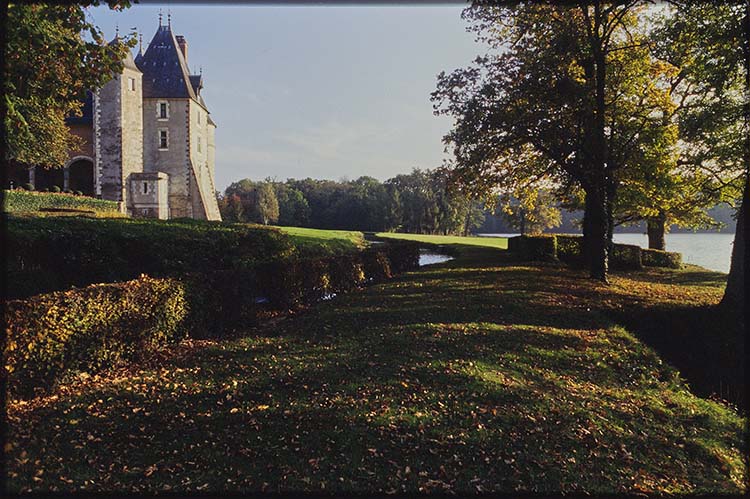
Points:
(474, 375)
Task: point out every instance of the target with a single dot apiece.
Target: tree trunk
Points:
(735, 293)
(595, 236)
(656, 228)
(522, 216)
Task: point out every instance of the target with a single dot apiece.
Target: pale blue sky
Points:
(311, 91)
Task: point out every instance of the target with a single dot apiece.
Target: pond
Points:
(429, 257)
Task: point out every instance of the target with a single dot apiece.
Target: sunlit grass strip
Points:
(489, 242)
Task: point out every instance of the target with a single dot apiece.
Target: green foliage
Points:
(570, 248)
(61, 333)
(530, 211)
(55, 189)
(626, 257)
(87, 329)
(534, 248)
(48, 67)
(25, 202)
(659, 258)
(46, 254)
(417, 202)
(27, 186)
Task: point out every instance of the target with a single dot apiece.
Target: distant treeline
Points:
(496, 223)
(417, 202)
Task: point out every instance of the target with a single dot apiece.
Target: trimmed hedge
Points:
(659, 258)
(570, 248)
(18, 201)
(626, 257)
(534, 248)
(46, 254)
(57, 334)
(85, 329)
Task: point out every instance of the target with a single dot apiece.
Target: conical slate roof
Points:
(165, 73)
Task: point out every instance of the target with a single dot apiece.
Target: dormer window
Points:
(145, 187)
(162, 110)
(131, 83)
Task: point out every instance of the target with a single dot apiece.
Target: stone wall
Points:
(175, 160)
(149, 195)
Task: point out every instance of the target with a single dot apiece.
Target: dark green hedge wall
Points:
(85, 329)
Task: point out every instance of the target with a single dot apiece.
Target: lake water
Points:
(709, 250)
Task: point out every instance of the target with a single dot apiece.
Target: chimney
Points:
(183, 46)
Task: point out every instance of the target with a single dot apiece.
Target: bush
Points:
(45, 254)
(659, 258)
(57, 334)
(570, 248)
(68, 191)
(78, 193)
(55, 189)
(534, 248)
(54, 335)
(31, 202)
(28, 187)
(626, 257)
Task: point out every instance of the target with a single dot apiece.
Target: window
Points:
(199, 144)
(162, 110)
(199, 117)
(131, 83)
(145, 187)
(163, 142)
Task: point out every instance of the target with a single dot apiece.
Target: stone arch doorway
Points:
(81, 175)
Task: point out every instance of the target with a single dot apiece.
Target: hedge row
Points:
(46, 254)
(535, 248)
(55, 335)
(569, 249)
(18, 201)
(659, 258)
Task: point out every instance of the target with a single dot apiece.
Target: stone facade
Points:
(152, 139)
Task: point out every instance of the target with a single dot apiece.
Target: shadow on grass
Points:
(446, 379)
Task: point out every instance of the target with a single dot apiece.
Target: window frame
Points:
(165, 131)
(159, 115)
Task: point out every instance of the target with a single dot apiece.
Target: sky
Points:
(327, 92)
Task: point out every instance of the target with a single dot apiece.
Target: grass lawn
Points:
(490, 242)
(479, 374)
(324, 242)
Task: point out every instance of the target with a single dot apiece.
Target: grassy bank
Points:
(324, 242)
(489, 242)
(474, 375)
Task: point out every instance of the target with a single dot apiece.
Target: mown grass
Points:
(479, 374)
(324, 242)
(490, 242)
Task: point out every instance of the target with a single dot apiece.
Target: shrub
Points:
(403, 255)
(78, 193)
(28, 187)
(31, 202)
(68, 191)
(626, 257)
(46, 254)
(659, 258)
(55, 189)
(534, 248)
(53, 335)
(570, 248)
